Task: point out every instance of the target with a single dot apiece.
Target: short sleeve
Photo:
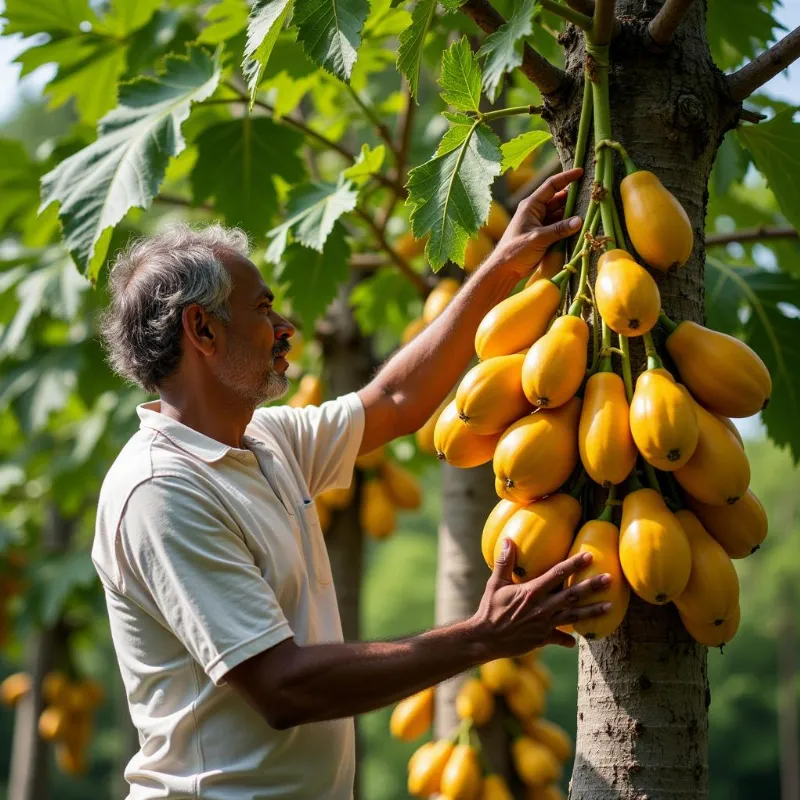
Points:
(325, 439)
(186, 553)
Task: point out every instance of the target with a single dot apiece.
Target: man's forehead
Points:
(247, 280)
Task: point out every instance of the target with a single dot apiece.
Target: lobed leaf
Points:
(503, 48)
(518, 149)
(367, 163)
(412, 41)
(266, 21)
(461, 77)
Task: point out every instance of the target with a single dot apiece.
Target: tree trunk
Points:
(643, 693)
(29, 752)
(467, 498)
(348, 366)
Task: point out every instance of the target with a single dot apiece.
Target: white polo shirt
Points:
(208, 555)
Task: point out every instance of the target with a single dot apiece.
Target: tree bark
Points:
(643, 693)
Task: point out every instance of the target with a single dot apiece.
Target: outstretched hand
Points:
(518, 617)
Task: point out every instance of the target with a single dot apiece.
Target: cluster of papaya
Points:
(67, 717)
(455, 768)
(547, 418)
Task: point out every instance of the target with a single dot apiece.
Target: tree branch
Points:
(175, 200)
(546, 77)
(603, 21)
(664, 24)
(754, 75)
(762, 233)
(748, 115)
(370, 114)
(568, 13)
(401, 156)
(584, 6)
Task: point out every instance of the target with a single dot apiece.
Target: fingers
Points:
(547, 191)
(576, 593)
(504, 564)
(559, 573)
(558, 202)
(576, 614)
(561, 639)
(550, 234)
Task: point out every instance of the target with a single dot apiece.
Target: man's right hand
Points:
(514, 618)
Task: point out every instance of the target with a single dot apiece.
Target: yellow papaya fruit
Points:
(71, 760)
(526, 697)
(371, 460)
(626, 295)
(495, 788)
(324, 514)
(497, 221)
(490, 396)
(657, 223)
(407, 247)
(740, 528)
(542, 533)
(474, 701)
(439, 298)
(402, 485)
(663, 421)
(555, 366)
(14, 688)
(712, 594)
(550, 735)
(551, 264)
(713, 635)
(338, 499)
(600, 537)
(477, 250)
(376, 511)
(605, 442)
(425, 774)
(412, 716)
(415, 327)
(518, 321)
(499, 675)
(461, 779)
(536, 764)
(459, 445)
(309, 392)
(718, 471)
(540, 671)
(537, 453)
(424, 436)
(54, 688)
(728, 423)
(654, 550)
(497, 518)
(722, 372)
(419, 753)
(52, 723)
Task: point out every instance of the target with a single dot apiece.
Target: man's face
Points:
(252, 352)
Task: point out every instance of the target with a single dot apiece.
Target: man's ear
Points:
(199, 328)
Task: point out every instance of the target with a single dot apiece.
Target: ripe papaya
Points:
(70, 759)
(497, 518)
(713, 635)
(402, 485)
(477, 250)
(408, 247)
(14, 688)
(626, 295)
(419, 752)
(555, 366)
(309, 392)
(425, 774)
(550, 735)
(55, 686)
(663, 421)
(537, 453)
(718, 471)
(376, 511)
(657, 223)
(526, 697)
(499, 675)
(551, 264)
(439, 298)
(324, 514)
(540, 670)
(371, 460)
(654, 550)
(605, 442)
(739, 528)
(712, 594)
(457, 444)
(728, 423)
(497, 222)
(461, 779)
(424, 436)
(474, 701)
(337, 499)
(600, 537)
(495, 788)
(52, 723)
(412, 716)
(518, 321)
(411, 330)
(722, 372)
(542, 533)
(536, 764)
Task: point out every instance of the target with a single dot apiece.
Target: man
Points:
(217, 580)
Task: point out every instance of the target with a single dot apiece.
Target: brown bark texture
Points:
(643, 693)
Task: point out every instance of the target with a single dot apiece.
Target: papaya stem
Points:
(463, 731)
(633, 484)
(627, 375)
(653, 361)
(512, 111)
(581, 145)
(620, 234)
(674, 492)
(576, 308)
(569, 14)
(596, 344)
(608, 201)
(560, 277)
(591, 213)
(667, 322)
(579, 484)
(652, 478)
(630, 167)
(608, 508)
(606, 364)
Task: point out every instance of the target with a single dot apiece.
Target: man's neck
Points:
(226, 425)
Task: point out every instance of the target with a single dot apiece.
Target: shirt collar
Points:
(188, 439)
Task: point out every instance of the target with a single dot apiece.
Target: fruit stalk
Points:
(512, 111)
(667, 322)
(627, 374)
(581, 145)
(653, 361)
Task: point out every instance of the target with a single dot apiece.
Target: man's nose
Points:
(283, 328)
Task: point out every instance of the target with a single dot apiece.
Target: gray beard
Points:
(240, 373)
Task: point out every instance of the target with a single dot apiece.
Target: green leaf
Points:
(226, 19)
(775, 147)
(518, 149)
(461, 77)
(503, 48)
(739, 30)
(266, 21)
(385, 20)
(330, 32)
(412, 40)
(383, 301)
(19, 182)
(730, 164)
(312, 210)
(127, 16)
(237, 162)
(367, 163)
(314, 277)
(58, 577)
(125, 166)
(31, 17)
(769, 303)
(453, 5)
(451, 194)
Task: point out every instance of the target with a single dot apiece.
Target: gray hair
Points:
(151, 282)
